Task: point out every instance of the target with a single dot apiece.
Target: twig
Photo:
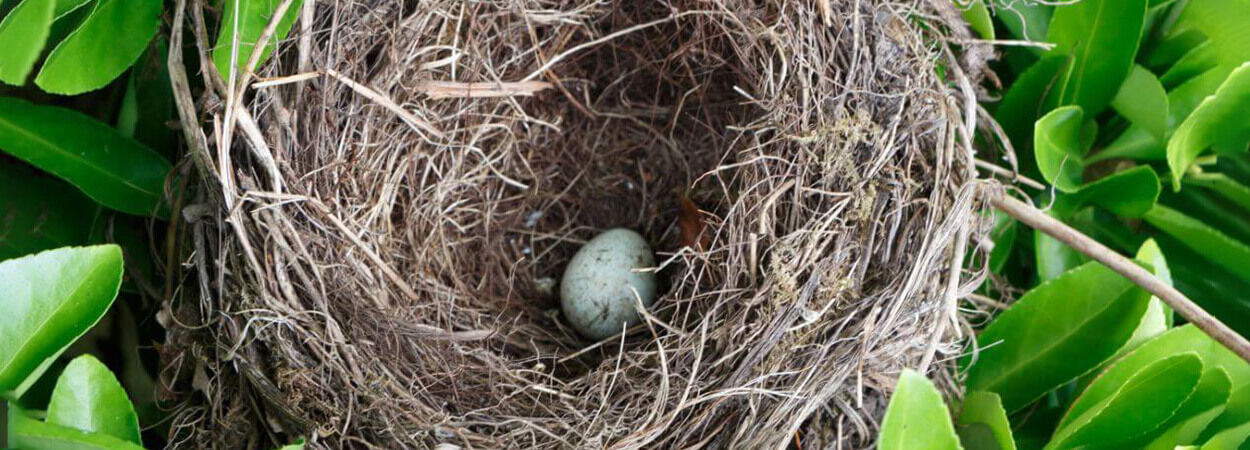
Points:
(1193, 313)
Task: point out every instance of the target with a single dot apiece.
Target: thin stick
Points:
(1193, 313)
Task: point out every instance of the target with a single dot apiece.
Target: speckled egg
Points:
(597, 290)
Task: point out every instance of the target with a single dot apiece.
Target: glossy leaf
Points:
(38, 212)
(1024, 19)
(1236, 412)
(1192, 417)
(1054, 258)
(106, 43)
(117, 172)
(1219, 121)
(1004, 236)
(917, 418)
(1054, 333)
(1058, 148)
(244, 21)
(88, 397)
(1137, 143)
(1206, 241)
(978, 17)
(1201, 59)
(1025, 102)
(51, 298)
(1101, 37)
(64, 7)
(1224, 23)
(1184, 339)
(1142, 100)
(22, 36)
(1227, 187)
(1158, 317)
(1229, 439)
(1128, 193)
(985, 409)
(28, 433)
(1144, 402)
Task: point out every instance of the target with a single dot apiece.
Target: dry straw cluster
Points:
(385, 204)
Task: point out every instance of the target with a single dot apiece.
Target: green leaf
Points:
(1128, 193)
(1229, 439)
(917, 419)
(117, 172)
(1180, 340)
(1201, 59)
(108, 42)
(64, 7)
(1025, 101)
(244, 22)
(1230, 189)
(1056, 332)
(88, 397)
(1101, 37)
(1024, 19)
(1219, 121)
(1058, 147)
(1175, 45)
(30, 434)
(1144, 402)
(1224, 23)
(1206, 241)
(985, 409)
(1158, 317)
(1053, 258)
(978, 17)
(22, 36)
(52, 298)
(1004, 236)
(1236, 412)
(1142, 100)
(148, 104)
(1194, 415)
(39, 212)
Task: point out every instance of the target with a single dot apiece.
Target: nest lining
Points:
(368, 278)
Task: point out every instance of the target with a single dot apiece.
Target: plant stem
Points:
(1035, 218)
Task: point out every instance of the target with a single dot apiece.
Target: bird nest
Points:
(385, 207)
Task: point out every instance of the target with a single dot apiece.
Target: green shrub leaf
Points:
(1219, 121)
(117, 172)
(1058, 147)
(985, 409)
(1004, 236)
(40, 213)
(245, 21)
(1145, 401)
(1056, 332)
(1024, 19)
(1025, 102)
(1201, 238)
(30, 434)
(1174, 342)
(1054, 258)
(51, 298)
(1224, 185)
(978, 17)
(917, 419)
(1142, 100)
(23, 34)
(1229, 439)
(1201, 59)
(1192, 417)
(1128, 193)
(1101, 38)
(89, 398)
(106, 43)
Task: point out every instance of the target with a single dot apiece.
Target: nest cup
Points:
(375, 241)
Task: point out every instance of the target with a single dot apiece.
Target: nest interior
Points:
(376, 242)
